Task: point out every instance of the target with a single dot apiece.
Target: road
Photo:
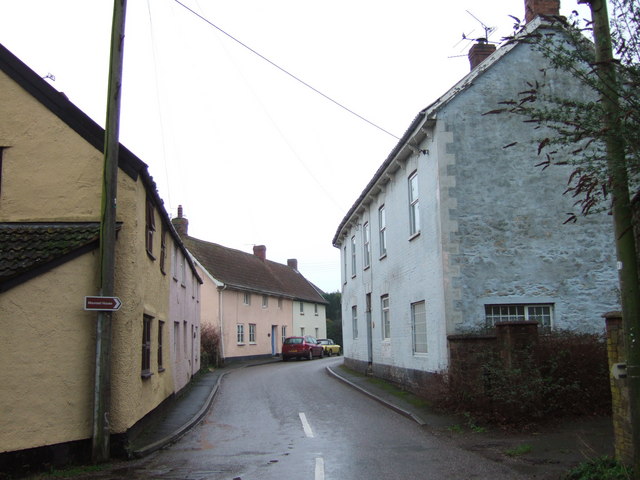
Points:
(292, 420)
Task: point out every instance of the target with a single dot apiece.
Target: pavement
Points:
(542, 453)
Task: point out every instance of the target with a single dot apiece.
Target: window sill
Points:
(383, 256)
(240, 344)
(150, 255)
(161, 369)
(146, 375)
(366, 268)
(415, 235)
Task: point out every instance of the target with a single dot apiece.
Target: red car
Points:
(301, 347)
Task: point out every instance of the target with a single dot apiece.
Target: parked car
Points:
(301, 347)
(330, 348)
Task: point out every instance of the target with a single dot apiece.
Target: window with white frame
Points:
(354, 320)
(382, 221)
(252, 333)
(414, 205)
(317, 332)
(353, 256)
(246, 298)
(284, 332)
(386, 323)
(302, 331)
(301, 308)
(541, 313)
(315, 309)
(265, 301)
(366, 260)
(419, 327)
(280, 303)
(344, 266)
(240, 333)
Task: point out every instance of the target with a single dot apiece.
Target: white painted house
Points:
(454, 232)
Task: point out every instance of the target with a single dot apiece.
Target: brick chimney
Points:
(181, 224)
(293, 263)
(260, 251)
(479, 51)
(533, 8)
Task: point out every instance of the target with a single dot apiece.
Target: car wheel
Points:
(330, 352)
(284, 359)
(322, 353)
(310, 357)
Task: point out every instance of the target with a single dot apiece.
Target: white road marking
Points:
(305, 425)
(319, 468)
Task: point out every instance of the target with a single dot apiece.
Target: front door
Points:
(274, 333)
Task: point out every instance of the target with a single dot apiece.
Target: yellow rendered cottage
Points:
(50, 195)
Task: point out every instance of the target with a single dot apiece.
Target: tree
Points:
(334, 316)
(597, 133)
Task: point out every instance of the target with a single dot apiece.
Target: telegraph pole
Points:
(102, 388)
(622, 213)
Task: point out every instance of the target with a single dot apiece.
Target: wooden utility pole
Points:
(102, 389)
(622, 212)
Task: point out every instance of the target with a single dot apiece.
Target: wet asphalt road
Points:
(293, 421)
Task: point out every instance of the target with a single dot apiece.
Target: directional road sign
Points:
(110, 304)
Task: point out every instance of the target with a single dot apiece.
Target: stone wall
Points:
(619, 389)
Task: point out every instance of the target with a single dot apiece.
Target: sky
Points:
(254, 156)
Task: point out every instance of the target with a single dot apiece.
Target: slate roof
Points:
(245, 271)
(30, 249)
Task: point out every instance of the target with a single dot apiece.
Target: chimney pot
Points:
(533, 8)
(260, 251)
(293, 263)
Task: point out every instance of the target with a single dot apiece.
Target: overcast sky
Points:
(252, 155)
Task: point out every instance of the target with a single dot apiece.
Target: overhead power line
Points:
(298, 79)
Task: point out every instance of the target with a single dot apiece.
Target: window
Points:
(419, 327)
(163, 249)
(280, 303)
(315, 309)
(146, 346)
(240, 333)
(252, 333)
(367, 246)
(302, 331)
(344, 256)
(284, 332)
(150, 225)
(246, 298)
(354, 321)
(160, 352)
(183, 269)
(382, 221)
(541, 313)
(184, 338)
(317, 332)
(265, 301)
(414, 206)
(174, 262)
(301, 308)
(1, 150)
(176, 338)
(386, 325)
(353, 256)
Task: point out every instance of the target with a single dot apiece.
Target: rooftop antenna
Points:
(468, 36)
